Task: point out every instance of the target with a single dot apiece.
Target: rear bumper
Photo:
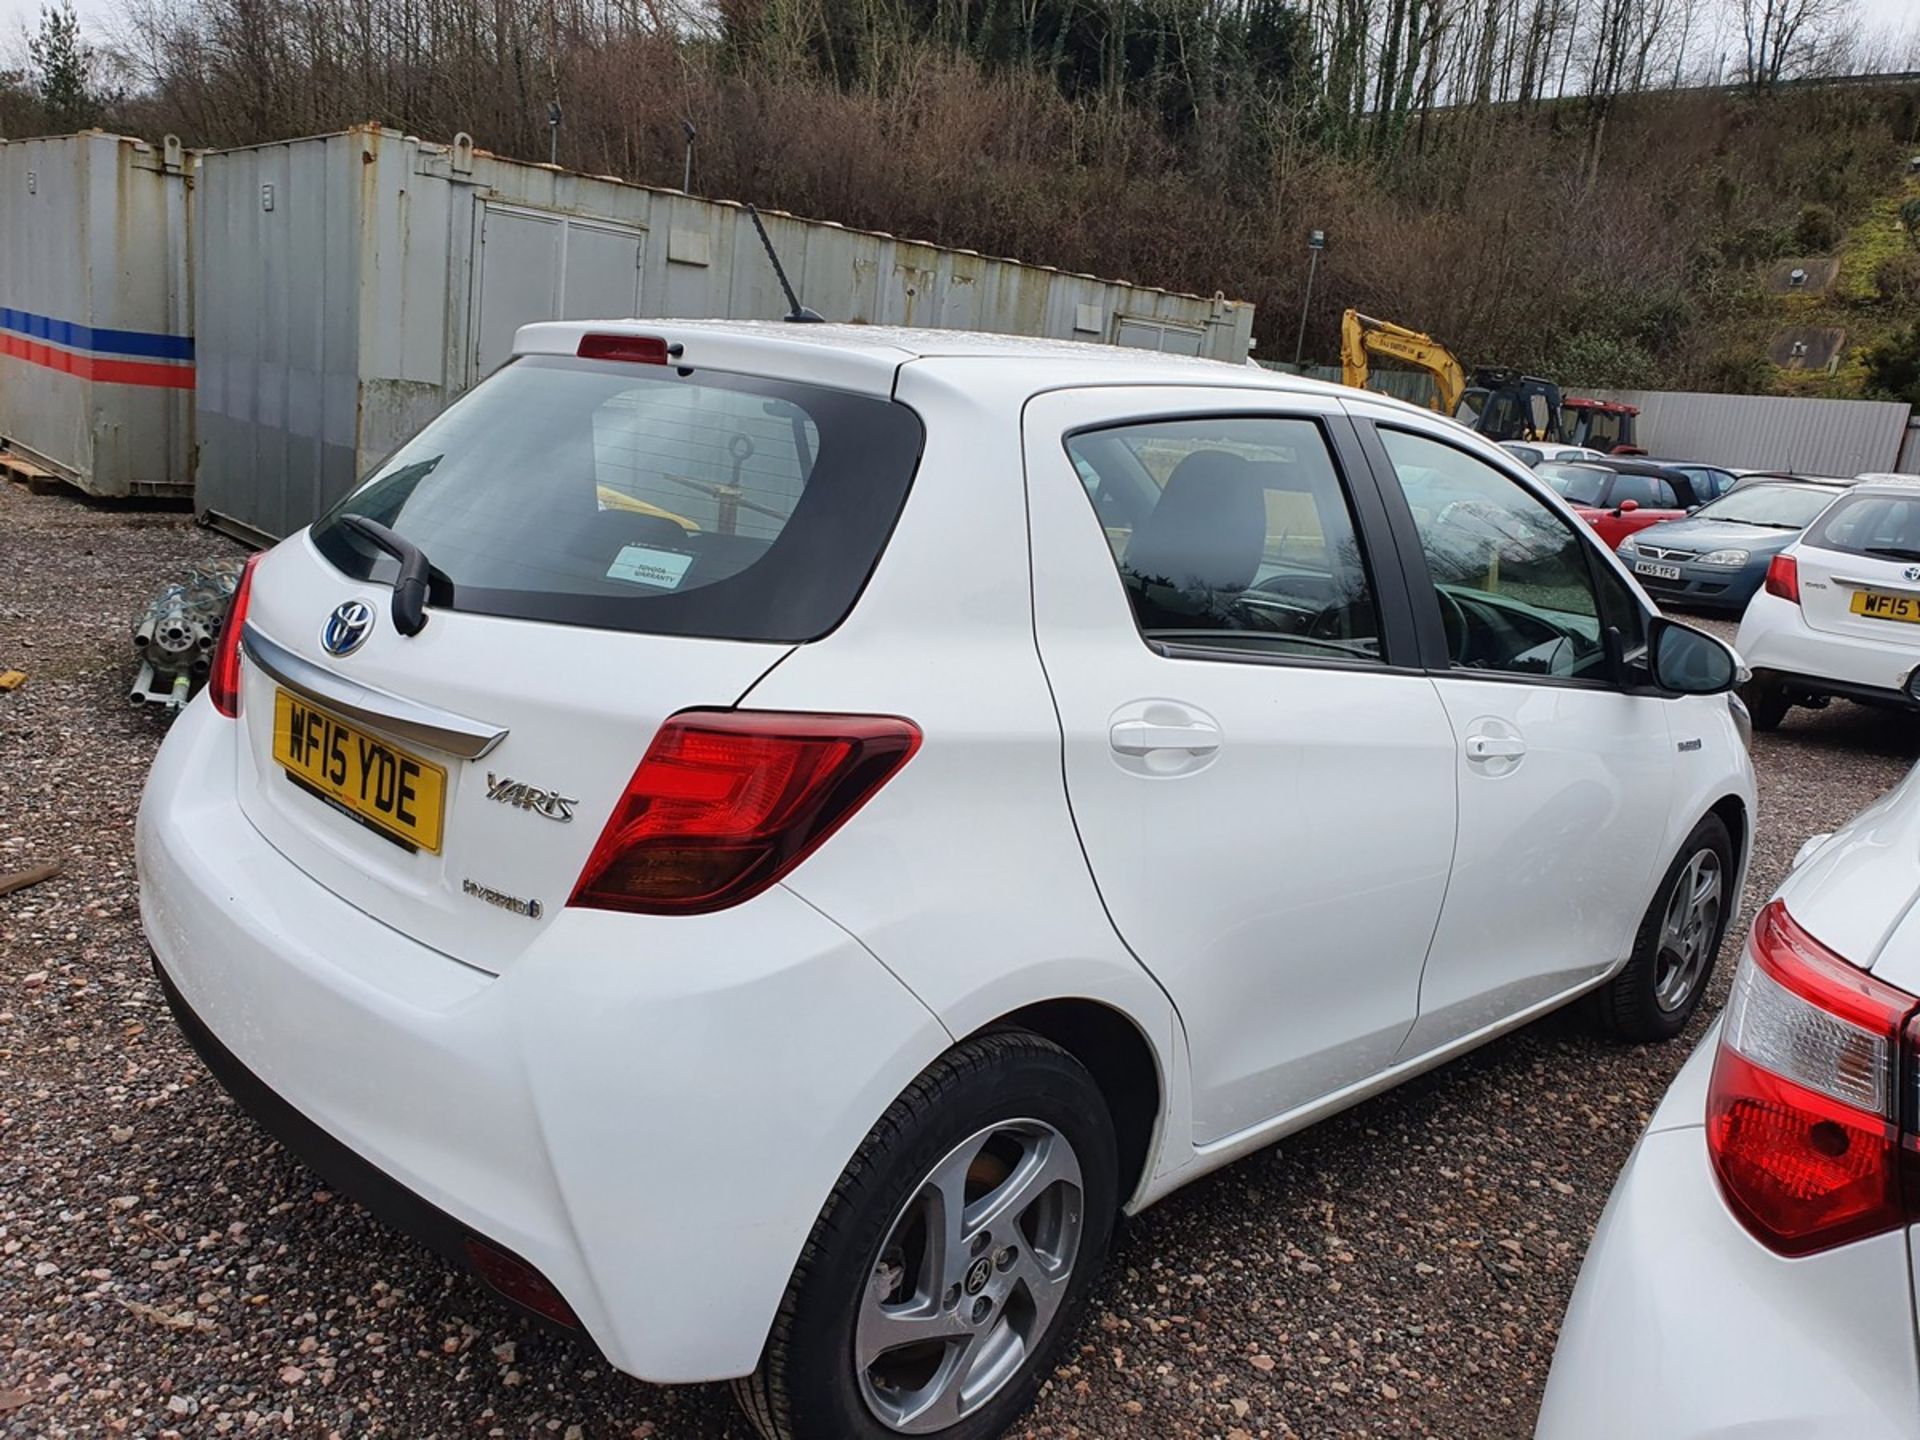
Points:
(391, 1202)
(1682, 1325)
(1776, 642)
(649, 1113)
(1840, 689)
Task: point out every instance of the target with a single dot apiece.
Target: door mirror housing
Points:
(1686, 661)
(1627, 507)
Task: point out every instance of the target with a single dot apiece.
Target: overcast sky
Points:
(17, 14)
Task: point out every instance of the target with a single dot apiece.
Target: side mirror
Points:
(1627, 507)
(1686, 661)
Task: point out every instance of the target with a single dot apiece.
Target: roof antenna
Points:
(798, 314)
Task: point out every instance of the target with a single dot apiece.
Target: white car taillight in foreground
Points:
(223, 676)
(728, 801)
(1804, 1113)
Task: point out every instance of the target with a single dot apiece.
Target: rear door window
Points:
(1649, 492)
(635, 497)
(1232, 534)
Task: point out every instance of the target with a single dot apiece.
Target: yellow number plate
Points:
(393, 791)
(1876, 605)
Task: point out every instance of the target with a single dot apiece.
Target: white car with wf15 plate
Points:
(760, 841)
(1839, 612)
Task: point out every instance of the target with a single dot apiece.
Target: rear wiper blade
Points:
(1892, 552)
(416, 571)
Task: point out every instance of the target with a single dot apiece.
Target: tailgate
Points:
(607, 541)
(1859, 566)
(452, 784)
(1860, 595)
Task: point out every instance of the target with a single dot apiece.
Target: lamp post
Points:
(1316, 242)
(686, 172)
(553, 133)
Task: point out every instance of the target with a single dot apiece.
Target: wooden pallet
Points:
(37, 478)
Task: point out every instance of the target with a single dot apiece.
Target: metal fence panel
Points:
(1769, 432)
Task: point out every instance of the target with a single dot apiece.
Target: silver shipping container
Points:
(352, 284)
(96, 307)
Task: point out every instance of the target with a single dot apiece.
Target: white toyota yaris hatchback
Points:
(760, 840)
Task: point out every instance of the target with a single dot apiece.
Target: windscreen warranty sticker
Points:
(644, 565)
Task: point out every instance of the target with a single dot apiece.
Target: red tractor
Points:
(1603, 425)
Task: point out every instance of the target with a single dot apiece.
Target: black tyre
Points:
(1678, 940)
(1766, 702)
(952, 1260)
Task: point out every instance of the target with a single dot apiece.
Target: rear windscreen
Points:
(635, 497)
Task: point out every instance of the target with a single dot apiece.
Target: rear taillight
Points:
(1783, 578)
(1804, 1109)
(223, 677)
(726, 802)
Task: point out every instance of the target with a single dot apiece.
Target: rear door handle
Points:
(1143, 737)
(1495, 747)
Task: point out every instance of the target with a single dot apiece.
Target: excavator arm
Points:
(1362, 337)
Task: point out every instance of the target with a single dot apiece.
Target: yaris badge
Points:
(347, 628)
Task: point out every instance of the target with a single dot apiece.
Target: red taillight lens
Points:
(223, 677)
(638, 349)
(1783, 578)
(726, 802)
(1803, 1109)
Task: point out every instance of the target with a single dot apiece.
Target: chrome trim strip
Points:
(1897, 587)
(394, 714)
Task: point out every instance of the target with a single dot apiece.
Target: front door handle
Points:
(1495, 747)
(1143, 737)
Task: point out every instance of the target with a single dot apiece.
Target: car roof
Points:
(1838, 481)
(1630, 465)
(1797, 482)
(1903, 485)
(867, 357)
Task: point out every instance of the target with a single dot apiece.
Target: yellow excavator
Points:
(1503, 404)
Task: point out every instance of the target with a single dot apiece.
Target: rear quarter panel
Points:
(964, 875)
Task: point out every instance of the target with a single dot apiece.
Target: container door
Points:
(536, 265)
(601, 275)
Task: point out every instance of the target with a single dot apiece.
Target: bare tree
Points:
(1782, 35)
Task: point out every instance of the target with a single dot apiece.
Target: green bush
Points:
(1818, 229)
(1591, 360)
(1893, 366)
(1896, 279)
(1737, 371)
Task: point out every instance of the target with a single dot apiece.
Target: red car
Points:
(1620, 497)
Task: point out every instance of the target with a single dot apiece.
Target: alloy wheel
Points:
(970, 1277)
(1688, 930)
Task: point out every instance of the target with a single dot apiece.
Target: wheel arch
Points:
(1123, 1064)
(1732, 811)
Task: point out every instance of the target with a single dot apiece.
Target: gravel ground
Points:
(166, 1270)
